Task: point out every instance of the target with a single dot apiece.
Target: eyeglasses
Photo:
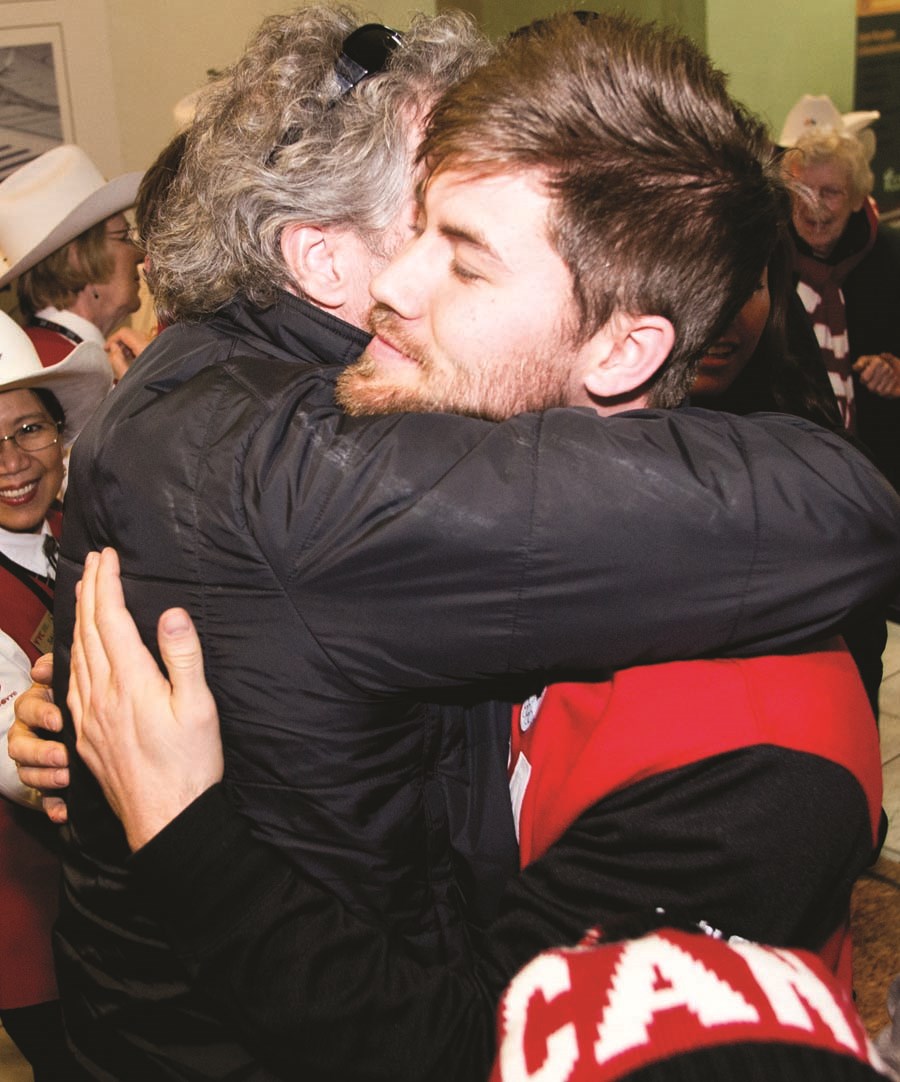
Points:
(35, 436)
(126, 235)
(364, 53)
(828, 195)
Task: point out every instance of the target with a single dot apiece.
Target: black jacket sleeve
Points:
(528, 542)
(329, 990)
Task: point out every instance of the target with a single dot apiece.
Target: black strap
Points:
(49, 325)
(39, 585)
(51, 551)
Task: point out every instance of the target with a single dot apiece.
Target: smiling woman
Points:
(768, 357)
(31, 461)
(41, 409)
(847, 274)
(726, 358)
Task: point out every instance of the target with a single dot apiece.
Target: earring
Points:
(96, 295)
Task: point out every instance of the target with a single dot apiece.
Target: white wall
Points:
(161, 50)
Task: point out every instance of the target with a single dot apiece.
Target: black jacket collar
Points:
(293, 329)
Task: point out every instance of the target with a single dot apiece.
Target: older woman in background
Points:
(847, 270)
(64, 236)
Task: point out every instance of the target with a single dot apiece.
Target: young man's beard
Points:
(494, 389)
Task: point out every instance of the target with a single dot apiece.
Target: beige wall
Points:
(161, 50)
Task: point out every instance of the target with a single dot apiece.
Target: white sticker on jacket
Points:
(529, 711)
(518, 783)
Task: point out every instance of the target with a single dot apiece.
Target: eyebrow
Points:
(474, 238)
(38, 415)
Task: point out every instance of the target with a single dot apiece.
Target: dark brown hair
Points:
(663, 199)
(51, 404)
(155, 185)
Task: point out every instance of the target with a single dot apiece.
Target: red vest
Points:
(594, 739)
(51, 346)
(29, 865)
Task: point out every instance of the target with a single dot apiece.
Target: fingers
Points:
(131, 339)
(35, 709)
(179, 643)
(42, 670)
(55, 809)
(112, 671)
(880, 373)
(112, 632)
(40, 763)
(192, 701)
(90, 667)
(119, 359)
(122, 347)
(28, 748)
(79, 691)
(45, 779)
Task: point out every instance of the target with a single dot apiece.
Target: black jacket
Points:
(338, 568)
(871, 292)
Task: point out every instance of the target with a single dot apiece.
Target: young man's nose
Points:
(402, 284)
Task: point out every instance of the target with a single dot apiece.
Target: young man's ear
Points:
(635, 350)
(312, 256)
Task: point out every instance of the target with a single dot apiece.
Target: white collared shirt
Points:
(87, 331)
(27, 550)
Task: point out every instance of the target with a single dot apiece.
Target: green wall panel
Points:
(498, 17)
(773, 50)
(777, 50)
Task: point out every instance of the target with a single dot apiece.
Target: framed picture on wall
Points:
(56, 80)
(35, 110)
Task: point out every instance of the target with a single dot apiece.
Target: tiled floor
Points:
(890, 739)
(13, 1069)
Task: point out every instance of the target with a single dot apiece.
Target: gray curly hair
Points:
(274, 143)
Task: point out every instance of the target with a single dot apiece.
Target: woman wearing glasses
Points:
(41, 410)
(847, 269)
(64, 237)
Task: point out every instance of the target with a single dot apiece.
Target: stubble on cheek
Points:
(484, 386)
(362, 390)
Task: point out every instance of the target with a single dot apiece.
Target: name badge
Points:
(42, 639)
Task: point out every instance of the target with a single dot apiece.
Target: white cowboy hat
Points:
(819, 111)
(80, 381)
(50, 201)
(185, 108)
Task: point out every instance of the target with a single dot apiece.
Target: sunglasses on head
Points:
(364, 53)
